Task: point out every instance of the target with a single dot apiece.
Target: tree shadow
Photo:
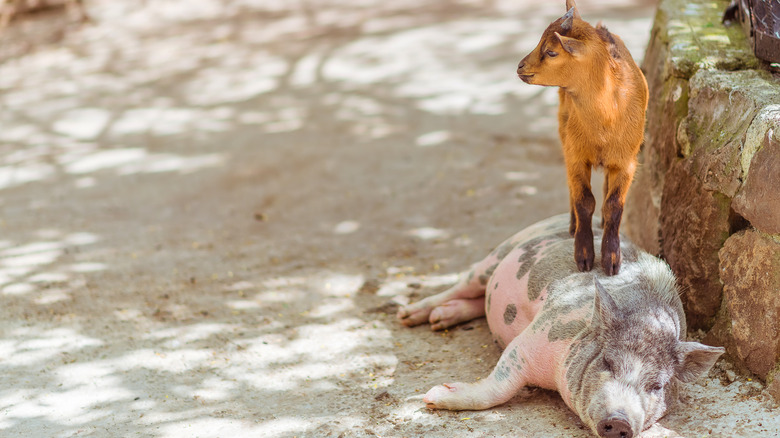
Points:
(209, 207)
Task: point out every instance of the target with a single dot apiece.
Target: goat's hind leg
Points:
(619, 180)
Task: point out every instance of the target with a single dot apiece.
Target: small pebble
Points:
(731, 376)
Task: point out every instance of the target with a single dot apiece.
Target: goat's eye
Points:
(608, 365)
(551, 54)
(656, 387)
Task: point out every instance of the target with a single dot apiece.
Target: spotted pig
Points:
(613, 346)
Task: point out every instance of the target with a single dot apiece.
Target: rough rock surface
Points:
(759, 199)
(641, 214)
(694, 225)
(750, 270)
(722, 107)
(710, 167)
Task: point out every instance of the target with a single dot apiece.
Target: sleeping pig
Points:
(613, 346)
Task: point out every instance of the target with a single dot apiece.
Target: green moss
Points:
(697, 39)
(722, 106)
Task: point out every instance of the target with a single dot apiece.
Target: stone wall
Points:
(707, 194)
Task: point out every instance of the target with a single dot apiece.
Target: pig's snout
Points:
(616, 426)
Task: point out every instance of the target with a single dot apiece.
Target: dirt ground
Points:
(210, 210)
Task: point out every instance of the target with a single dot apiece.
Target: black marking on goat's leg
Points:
(583, 236)
(610, 242)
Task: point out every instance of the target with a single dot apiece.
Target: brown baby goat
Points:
(603, 98)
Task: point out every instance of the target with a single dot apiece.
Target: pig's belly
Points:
(507, 306)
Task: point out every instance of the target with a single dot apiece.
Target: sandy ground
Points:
(210, 210)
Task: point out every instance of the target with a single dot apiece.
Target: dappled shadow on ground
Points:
(210, 209)
(316, 353)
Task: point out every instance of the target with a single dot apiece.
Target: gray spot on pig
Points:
(483, 279)
(568, 330)
(470, 277)
(510, 313)
(487, 305)
(503, 250)
(502, 371)
(553, 266)
(576, 290)
(527, 260)
(516, 362)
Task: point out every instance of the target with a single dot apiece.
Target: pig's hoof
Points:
(456, 311)
(413, 314)
(436, 397)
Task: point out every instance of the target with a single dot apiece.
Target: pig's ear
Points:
(604, 308)
(696, 359)
(571, 45)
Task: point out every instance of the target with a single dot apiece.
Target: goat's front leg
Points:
(583, 204)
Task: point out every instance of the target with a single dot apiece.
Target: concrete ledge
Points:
(707, 194)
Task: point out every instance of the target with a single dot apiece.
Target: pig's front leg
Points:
(508, 377)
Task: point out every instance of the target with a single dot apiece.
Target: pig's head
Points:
(629, 372)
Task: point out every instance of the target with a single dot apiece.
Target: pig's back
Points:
(534, 258)
(538, 272)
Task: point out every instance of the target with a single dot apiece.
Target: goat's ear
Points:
(572, 46)
(571, 6)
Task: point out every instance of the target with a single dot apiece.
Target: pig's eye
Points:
(657, 387)
(551, 54)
